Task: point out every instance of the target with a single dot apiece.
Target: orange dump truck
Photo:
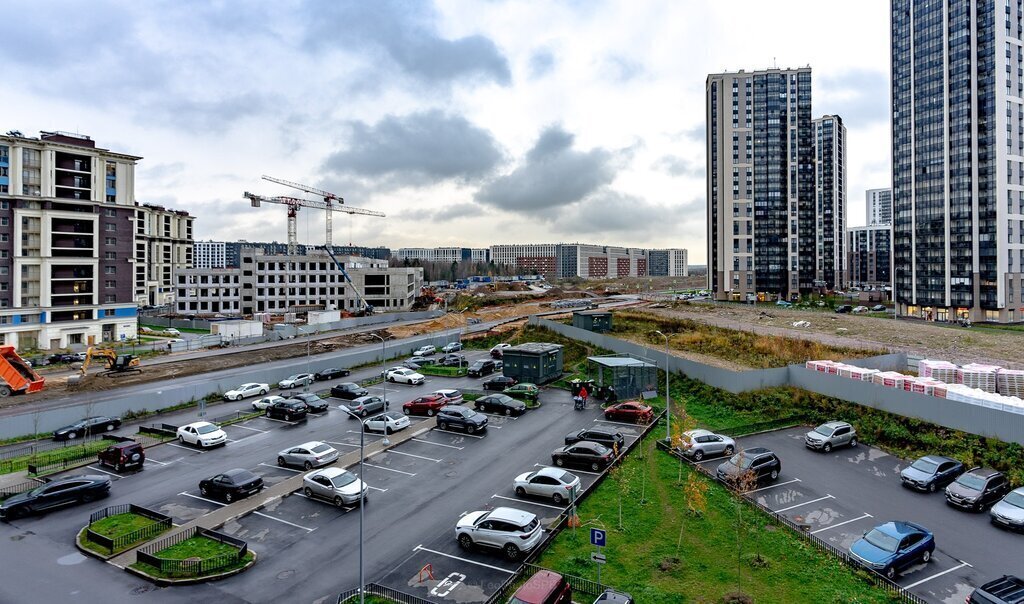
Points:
(16, 375)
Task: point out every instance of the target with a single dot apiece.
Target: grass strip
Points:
(198, 547)
(69, 453)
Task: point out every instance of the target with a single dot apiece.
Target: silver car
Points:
(698, 444)
(508, 529)
(832, 434)
(296, 381)
(365, 405)
(551, 483)
(1009, 512)
(262, 403)
(308, 455)
(338, 486)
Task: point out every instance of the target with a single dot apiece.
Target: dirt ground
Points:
(457, 320)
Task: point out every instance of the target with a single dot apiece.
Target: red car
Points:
(429, 404)
(633, 412)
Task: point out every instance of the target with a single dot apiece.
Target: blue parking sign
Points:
(597, 537)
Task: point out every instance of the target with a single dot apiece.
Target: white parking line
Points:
(540, 465)
(778, 484)
(804, 503)
(388, 469)
(162, 463)
(926, 579)
(276, 467)
(427, 442)
(331, 442)
(498, 568)
(247, 428)
(222, 504)
(498, 415)
(274, 419)
(411, 455)
(183, 447)
(460, 433)
(102, 470)
(832, 526)
(608, 421)
(543, 505)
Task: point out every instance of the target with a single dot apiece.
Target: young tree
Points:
(744, 484)
(695, 489)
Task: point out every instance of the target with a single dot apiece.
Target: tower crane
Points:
(294, 204)
(330, 199)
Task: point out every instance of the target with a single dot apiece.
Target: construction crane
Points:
(365, 307)
(295, 203)
(330, 199)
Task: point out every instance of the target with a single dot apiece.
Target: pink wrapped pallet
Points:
(908, 383)
(1010, 382)
(940, 370)
(982, 377)
(926, 385)
(890, 379)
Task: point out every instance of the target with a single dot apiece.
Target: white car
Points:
(425, 351)
(172, 331)
(202, 434)
(246, 390)
(551, 483)
(389, 422)
(261, 404)
(385, 373)
(406, 376)
(308, 455)
(860, 309)
(508, 529)
(450, 395)
(452, 347)
(296, 381)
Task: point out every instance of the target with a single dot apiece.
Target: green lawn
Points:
(69, 453)
(161, 328)
(442, 371)
(194, 547)
(118, 525)
(648, 558)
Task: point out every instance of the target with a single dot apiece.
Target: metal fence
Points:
(111, 544)
(45, 445)
(383, 591)
(15, 489)
(775, 424)
(191, 567)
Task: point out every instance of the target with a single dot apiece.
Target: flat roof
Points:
(620, 362)
(535, 347)
(592, 312)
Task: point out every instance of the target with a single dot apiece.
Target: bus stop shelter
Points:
(628, 375)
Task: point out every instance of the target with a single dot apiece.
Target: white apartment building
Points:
(209, 254)
(443, 254)
(878, 206)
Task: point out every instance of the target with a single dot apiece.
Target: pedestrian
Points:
(583, 395)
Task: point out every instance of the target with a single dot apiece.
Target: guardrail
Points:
(161, 523)
(191, 567)
(46, 445)
(383, 591)
(35, 469)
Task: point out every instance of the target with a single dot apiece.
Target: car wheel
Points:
(110, 427)
(932, 487)
(228, 497)
(470, 429)
(557, 498)
(479, 407)
(443, 425)
(827, 448)
(406, 411)
(263, 391)
(362, 413)
(281, 462)
(268, 412)
(596, 467)
(728, 451)
(391, 379)
(87, 497)
(520, 492)
(465, 541)
(388, 430)
(775, 474)
(72, 435)
(926, 556)
(511, 551)
(890, 573)
(853, 442)
(287, 417)
(430, 413)
(308, 492)
(181, 439)
(508, 412)
(698, 455)
(338, 501)
(308, 466)
(119, 467)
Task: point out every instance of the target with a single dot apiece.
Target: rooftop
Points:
(535, 347)
(619, 362)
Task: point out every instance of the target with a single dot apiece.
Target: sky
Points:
(467, 123)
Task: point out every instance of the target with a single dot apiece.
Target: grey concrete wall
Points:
(883, 362)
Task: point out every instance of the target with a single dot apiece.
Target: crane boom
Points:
(366, 308)
(294, 204)
(308, 189)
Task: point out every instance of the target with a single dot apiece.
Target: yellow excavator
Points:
(117, 364)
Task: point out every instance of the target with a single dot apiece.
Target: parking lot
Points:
(840, 495)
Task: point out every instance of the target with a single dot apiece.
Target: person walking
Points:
(583, 395)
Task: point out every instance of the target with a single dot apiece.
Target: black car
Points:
(89, 425)
(123, 454)
(879, 308)
(330, 374)
(461, 418)
(231, 485)
(931, 473)
(1004, 590)
(584, 454)
(452, 360)
(500, 403)
(420, 361)
(757, 463)
(977, 489)
(481, 367)
(844, 309)
(69, 490)
(314, 402)
(289, 409)
(598, 434)
(499, 382)
(348, 391)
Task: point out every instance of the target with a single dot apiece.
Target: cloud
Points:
(622, 68)
(678, 166)
(614, 213)
(541, 63)
(859, 96)
(552, 174)
(419, 148)
(696, 132)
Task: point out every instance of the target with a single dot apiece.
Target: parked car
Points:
(296, 381)
(859, 309)
(427, 350)
(231, 485)
(330, 374)
(462, 418)
(698, 444)
(338, 486)
(608, 437)
(501, 404)
(410, 365)
(262, 403)
(452, 360)
(389, 422)
(406, 376)
(1009, 512)
(611, 596)
(429, 404)
(202, 434)
(385, 373)
(1007, 589)
(246, 390)
(977, 489)
(879, 308)
(555, 484)
(931, 473)
(498, 351)
(783, 303)
(308, 455)
(421, 361)
(544, 587)
(314, 403)
(523, 390)
(508, 529)
(365, 405)
(480, 368)
(59, 492)
(451, 347)
(451, 395)
(584, 454)
(757, 463)
(844, 309)
(171, 330)
(890, 548)
(631, 412)
(348, 391)
(122, 455)
(87, 426)
(288, 410)
(830, 435)
(499, 365)
(499, 382)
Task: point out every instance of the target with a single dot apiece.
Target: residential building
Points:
(878, 206)
(163, 246)
(542, 258)
(67, 242)
(869, 253)
(829, 202)
(573, 260)
(958, 159)
(209, 254)
(233, 250)
(760, 184)
(444, 254)
(668, 263)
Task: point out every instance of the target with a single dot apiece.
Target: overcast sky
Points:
(467, 123)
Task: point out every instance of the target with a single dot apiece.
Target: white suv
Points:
(508, 529)
(428, 350)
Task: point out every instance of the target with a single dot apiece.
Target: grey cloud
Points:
(696, 133)
(678, 166)
(612, 212)
(622, 68)
(859, 96)
(541, 63)
(457, 210)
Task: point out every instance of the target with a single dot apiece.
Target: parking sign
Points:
(597, 537)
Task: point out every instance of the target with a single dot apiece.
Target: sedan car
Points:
(246, 390)
(330, 374)
(312, 401)
(598, 434)
(523, 390)
(420, 361)
(500, 403)
(499, 350)
(308, 455)
(1009, 512)
(231, 485)
(698, 444)
(202, 434)
(389, 422)
(288, 410)
(462, 418)
(931, 473)
(427, 350)
(878, 308)
(406, 376)
(584, 454)
(452, 360)
(338, 486)
(262, 403)
(555, 484)
(499, 382)
(429, 405)
(451, 347)
(890, 548)
(451, 395)
(385, 373)
(348, 391)
(510, 530)
(480, 368)
(68, 490)
(89, 425)
(296, 381)
(365, 405)
(631, 412)
(977, 489)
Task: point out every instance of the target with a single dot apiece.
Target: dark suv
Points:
(463, 418)
(314, 403)
(758, 463)
(598, 434)
(288, 410)
(122, 455)
(977, 489)
(1004, 590)
(481, 367)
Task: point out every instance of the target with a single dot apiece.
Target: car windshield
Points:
(972, 481)
(823, 431)
(343, 479)
(206, 428)
(928, 467)
(321, 448)
(393, 415)
(293, 377)
(1015, 498)
(741, 461)
(881, 540)
(469, 413)
(600, 449)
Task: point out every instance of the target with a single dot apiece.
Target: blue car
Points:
(931, 473)
(890, 548)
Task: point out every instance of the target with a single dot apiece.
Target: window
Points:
(108, 312)
(109, 299)
(110, 270)
(4, 221)
(110, 240)
(110, 227)
(110, 255)
(110, 283)
(74, 338)
(110, 213)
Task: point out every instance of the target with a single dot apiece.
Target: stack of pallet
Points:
(1010, 382)
(943, 371)
(976, 375)
(889, 379)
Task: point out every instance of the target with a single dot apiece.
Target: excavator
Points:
(117, 364)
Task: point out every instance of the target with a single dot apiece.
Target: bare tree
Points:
(744, 483)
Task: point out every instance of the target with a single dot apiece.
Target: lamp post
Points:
(383, 364)
(668, 409)
(309, 338)
(362, 499)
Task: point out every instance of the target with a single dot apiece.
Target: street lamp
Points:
(384, 368)
(668, 409)
(362, 499)
(309, 338)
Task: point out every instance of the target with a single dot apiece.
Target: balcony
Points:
(60, 288)
(68, 225)
(83, 314)
(71, 272)
(72, 300)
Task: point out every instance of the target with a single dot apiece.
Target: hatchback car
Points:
(451, 395)
(288, 410)
(231, 485)
(498, 351)
(631, 412)
(296, 381)
(585, 454)
(501, 404)
(262, 403)
(451, 347)
(314, 403)
(246, 390)
(427, 350)
(308, 455)
(123, 455)
(406, 376)
(523, 390)
(977, 489)
(544, 587)
(420, 361)
(330, 374)
(348, 391)
(452, 360)
(698, 444)
(202, 434)
(499, 382)
(68, 490)
(87, 426)
(878, 308)
(364, 406)
(480, 368)
(388, 423)
(555, 484)
(425, 405)
(830, 435)
(508, 529)
(756, 464)
(890, 548)
(931, 473)
(1009, 512)
(608, 437)
(461, 418)
(338, 486)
